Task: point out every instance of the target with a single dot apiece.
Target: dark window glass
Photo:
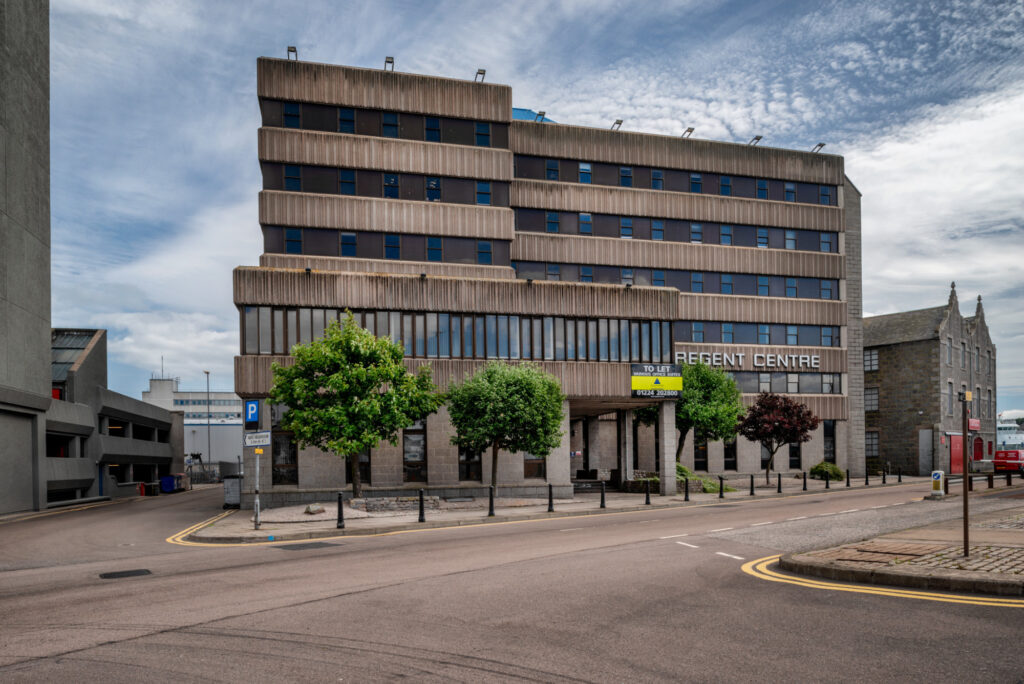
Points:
(762, 188)
(549, 338)
(790, 239)
(586, 224)
(346, 181)
(392, 246)
(727, 333)
(470, 469)
(348, 244)
(585, 173)
(791, 335)
(433, 186)
(763, 335)
(763, 289)
(293, 241)
(826, 289)
(697, 332)
(657, 229)
(492, 336)
(726, 283)
(825, 243)
(391, 185)
(586, 274)
(346, 120)
(570, 340)
(825, 194)
(414, 452)
(513, 336)
(443, 336)
(389, 125)
(554, 272)
(551, 169)
(696, 282)
(293, 178)
(626, 276)
(483, 134)
(790, 192)
(829, 433)
(502, 337)
(658, 279)
(762, 238)
(696, 232)
(291, 115)
(764, 382)
(826, 336)
(479, 337)
(483, 192)
(626, 176)
(467, 337)
(551, 222)
(526, 338)
(434, 249)
(791, 287)
(725, 185)
(657, 179)
(725, 235)
(626, 228)
(695, 182)
(432, 129)
(483, 252)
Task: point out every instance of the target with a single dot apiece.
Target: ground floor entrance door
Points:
(979, 449)
(956, 454)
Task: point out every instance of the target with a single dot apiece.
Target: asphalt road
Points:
(641, 596)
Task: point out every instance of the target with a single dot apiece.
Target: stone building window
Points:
(870, 398)
(870, 359)
(949, 351)
(871, 445)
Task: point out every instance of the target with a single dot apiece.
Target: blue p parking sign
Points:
(252, 414)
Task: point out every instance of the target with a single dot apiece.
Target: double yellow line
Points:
(760, 569)
(180, 537)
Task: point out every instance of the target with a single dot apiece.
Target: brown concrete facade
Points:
(574, 322)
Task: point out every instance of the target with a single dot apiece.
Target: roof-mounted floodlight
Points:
(756, 139)
(688, 132)
(817, 148)
(389, 62)
(293, 51)
(617, 125)
(540, 116)
(480, 73)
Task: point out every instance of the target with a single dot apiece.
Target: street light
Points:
(209, 451)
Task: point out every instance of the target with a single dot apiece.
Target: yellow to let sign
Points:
(656, 380)
(640, 382)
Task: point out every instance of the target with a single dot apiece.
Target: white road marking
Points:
(901, 503)
(802, 517)
(721, 529)
(729, 555)
(571, 529)
(851, 510)
(692, 546)
(763, 523)
(885, 506)
(673, 536)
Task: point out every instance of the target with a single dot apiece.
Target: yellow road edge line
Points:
(759, 568)
(61, 510)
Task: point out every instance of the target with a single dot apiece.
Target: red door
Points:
(979, 449)
(956, 454)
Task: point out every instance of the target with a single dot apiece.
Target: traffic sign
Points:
(656, 380)
(256, 439)
(252, 414)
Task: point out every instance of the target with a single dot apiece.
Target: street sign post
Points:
(252, 414)
(656, 380)
(937, 489)
(256, 439)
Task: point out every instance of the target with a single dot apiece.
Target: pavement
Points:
(931, 557)
(293, 524)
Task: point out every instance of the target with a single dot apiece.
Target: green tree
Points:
(775, 420)
(349, 391)
(507, 407)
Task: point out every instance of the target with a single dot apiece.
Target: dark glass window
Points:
(826, 289)
(626, 176)
(725, 235)
(657, 179)
(585, 174)
(389, 125)
(554, 272)
(791, 287)
(825, 194)
(696, 232)
(483, 252)
(791, 336)
(483, 134)
(346, 181)
(293, 178)
(657, 229)
(790, 192)
(695, 182)
(346, 120)
(726, 283)
(658, 279)
(762, 238)
(727, 333)
(795, 460)
(470, 466)
(762, 188)
(764, 382)
(626, 276)
(790, 239)
(729, 459)
(551, 222)
(414, 452)
(293, 241)
(391, 185)
(725, 185)
(432, 129)
(551, 169)
(483, 192)
(792, 383)
(586, 224)
(433, 186)
(586, 274)
(826, 336)
(434, 249)
(392, 247)
(763, 336)
(626, 228)
(696, 282)
(825, 242)
(348, 244)
(291, 115)
(697, 332)
(829, 432)
(762, 286)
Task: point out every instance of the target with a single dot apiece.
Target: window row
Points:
(684, 281)
(213, 415)
(965, 357)
(366, 183)
(717, 332)
(367, 245)
(272, 330)
(673, 180)
(752, 382)
(671, 230)
(376, 122)
(204, 402)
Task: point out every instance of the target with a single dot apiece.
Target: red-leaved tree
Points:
(775, 420)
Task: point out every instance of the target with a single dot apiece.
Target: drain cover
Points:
(124, 573)
(303, 547)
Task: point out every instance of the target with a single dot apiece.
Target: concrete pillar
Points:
(558, 460)
(624, 418)
(667, 446)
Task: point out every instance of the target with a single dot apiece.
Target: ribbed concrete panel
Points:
(824, 406)
(575, 249)
(378, 89)
(556, 196)
(666, 151)
(308, 210)
(292, 146)
(351, 265)
(744, 309)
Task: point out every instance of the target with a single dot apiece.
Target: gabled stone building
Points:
(915, 364)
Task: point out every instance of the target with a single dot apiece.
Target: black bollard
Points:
(970, 483)
(899, 475)
(804, 473)
(751, 485)
(883, 477)
(423, 518)
(551, 498)
(341, 512)
(721, 487)
(1009, 480)
(867, 482)
(828, 480)
(686, 489)
(490, 505)
(602, 494)
(778, 488)
(945, 486)
(847, 477)
(991, 476)
(647, 492)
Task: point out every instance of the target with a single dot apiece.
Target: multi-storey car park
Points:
(419, 204)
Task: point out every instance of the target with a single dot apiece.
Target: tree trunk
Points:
(771, 462)
(679, 444)
(357, 485)
(494, 468)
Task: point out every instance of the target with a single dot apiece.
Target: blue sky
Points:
(154, 118)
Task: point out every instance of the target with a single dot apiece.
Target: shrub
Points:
(709, 483)
(830, 470)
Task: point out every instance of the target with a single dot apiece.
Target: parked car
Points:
(1010, 460)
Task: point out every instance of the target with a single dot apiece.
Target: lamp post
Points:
(209, 451)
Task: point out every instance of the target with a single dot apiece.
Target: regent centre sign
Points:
(735, 360)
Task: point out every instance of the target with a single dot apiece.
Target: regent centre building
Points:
(423, 206)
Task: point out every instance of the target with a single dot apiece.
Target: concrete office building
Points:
(24, 251)
(421, 205)
(218, 411)
(915, 364)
